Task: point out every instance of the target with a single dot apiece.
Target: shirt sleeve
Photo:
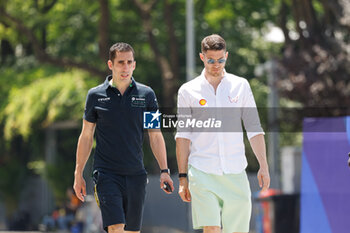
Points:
(250, 115)
(90, 113)
(183, 108)
(152, 103)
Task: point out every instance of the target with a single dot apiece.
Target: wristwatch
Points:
(167, 170)
(182, 175)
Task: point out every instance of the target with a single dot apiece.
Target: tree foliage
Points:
(47, 100)
(315, 65)
(32, 101)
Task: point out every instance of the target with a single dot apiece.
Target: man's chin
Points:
(216, 74)
(125, 78)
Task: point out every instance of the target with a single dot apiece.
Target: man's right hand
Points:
(79, 187)
(184, 192)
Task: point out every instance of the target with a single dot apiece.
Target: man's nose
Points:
(126, 65)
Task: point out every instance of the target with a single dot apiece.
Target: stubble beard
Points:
(216, 73)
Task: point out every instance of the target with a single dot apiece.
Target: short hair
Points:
(120, 47)
(213, 42)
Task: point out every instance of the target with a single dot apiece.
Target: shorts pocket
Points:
(95, 175)
(108, 200)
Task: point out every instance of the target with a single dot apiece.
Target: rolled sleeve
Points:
(183, 108)
(250, 115)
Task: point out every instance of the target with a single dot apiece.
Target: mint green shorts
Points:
(220, 200)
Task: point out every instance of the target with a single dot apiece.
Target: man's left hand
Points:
(165, 177)
(264, 179)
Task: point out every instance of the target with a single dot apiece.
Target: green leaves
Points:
(55, 98)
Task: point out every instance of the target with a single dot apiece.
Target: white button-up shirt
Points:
(220, 152)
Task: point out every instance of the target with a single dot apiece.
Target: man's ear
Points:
(110, 64)
(201, 55)
(226, 55)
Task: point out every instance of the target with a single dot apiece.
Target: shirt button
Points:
(118, 94)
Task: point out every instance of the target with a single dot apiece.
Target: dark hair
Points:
(213, 42)
(120, 47)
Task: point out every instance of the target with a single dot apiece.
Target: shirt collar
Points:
(107, 84)
(204, 80)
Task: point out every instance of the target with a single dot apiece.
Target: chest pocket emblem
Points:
(202, 102)
(138, 101)
(233, 100)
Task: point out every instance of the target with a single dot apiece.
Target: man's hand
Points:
(164, 177)
(79, 187)
(264, 179)
(184, 192)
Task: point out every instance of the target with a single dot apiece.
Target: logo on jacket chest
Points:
(138, 101)
(233, 99)
(202, 102)
(104, 99)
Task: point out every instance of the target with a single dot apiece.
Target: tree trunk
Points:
(173, 47)
(103, 34)
(282, 21)
(167, 71)
(6, 50)
(315, 68)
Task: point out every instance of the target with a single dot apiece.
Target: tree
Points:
(32, 101)
(315, 65)
(169, 67)
(35, 30)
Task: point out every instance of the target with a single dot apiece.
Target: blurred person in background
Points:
(115, 109)
(62, 217)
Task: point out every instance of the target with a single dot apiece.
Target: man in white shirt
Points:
(214, 159)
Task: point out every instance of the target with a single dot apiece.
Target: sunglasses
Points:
(212, 61)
